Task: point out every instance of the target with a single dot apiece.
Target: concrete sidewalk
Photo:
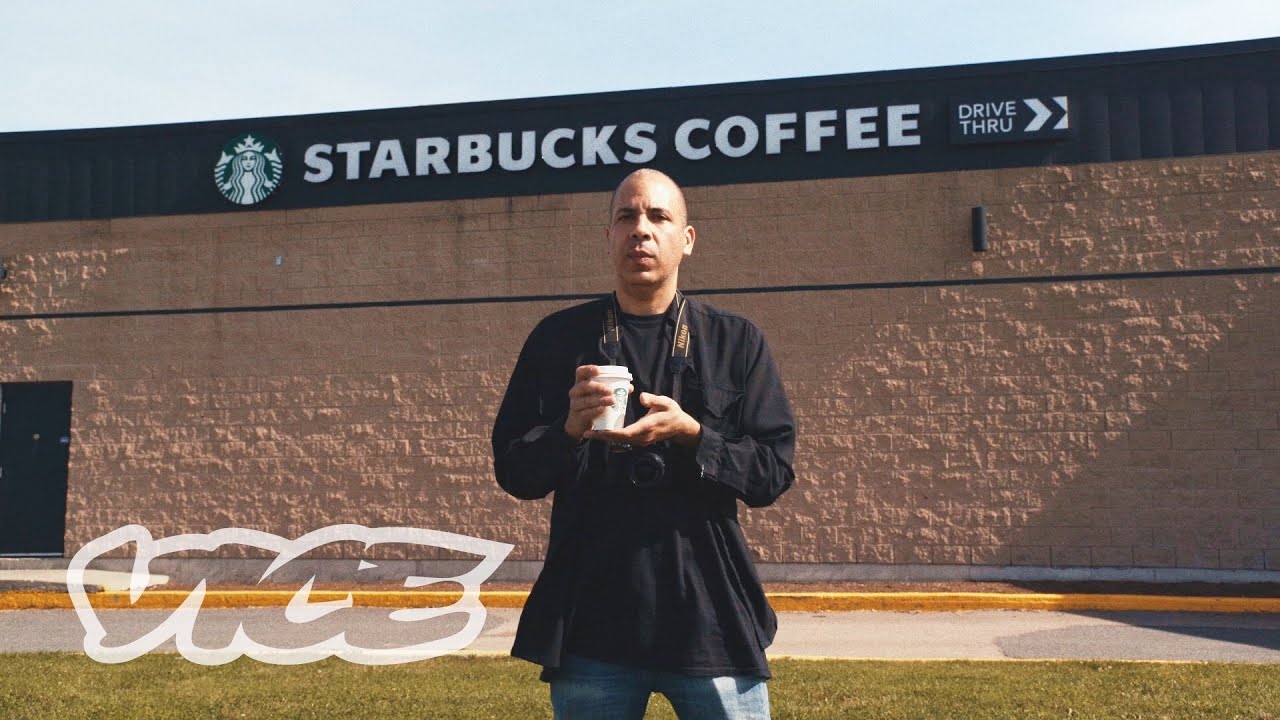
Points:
(812, 624)
(35, 589)
(976, 635)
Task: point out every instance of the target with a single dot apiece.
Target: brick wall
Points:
(1104, 423)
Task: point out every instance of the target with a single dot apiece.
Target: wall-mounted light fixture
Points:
(979, 229)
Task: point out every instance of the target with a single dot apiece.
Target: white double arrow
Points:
(1043, 113)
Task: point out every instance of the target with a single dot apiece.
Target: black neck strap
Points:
(611, 341)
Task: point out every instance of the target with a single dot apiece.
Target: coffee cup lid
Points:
(616, 371)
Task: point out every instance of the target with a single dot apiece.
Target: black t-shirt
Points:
(607, 596)
(646, 346)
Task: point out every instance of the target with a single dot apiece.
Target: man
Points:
(648, 585)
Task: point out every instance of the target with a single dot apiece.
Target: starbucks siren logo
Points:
(249, 169)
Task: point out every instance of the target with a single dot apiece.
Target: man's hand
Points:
(588, 400)
(664, 421)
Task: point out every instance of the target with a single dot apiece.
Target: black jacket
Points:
(653, 578)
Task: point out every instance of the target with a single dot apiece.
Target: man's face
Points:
(648, 233)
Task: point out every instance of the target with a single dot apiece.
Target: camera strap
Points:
(611, 342)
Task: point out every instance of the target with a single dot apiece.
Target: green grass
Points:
(57, 686)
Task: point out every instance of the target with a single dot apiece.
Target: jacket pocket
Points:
(722, 406)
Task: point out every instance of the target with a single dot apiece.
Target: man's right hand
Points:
(588, 400)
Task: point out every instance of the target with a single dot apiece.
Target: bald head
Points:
(680, 209)
(648, 235)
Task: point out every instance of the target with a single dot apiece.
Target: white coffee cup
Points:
(618, 379)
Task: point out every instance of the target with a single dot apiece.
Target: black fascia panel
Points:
(1121, 106)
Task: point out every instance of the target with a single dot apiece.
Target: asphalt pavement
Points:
(979, 635)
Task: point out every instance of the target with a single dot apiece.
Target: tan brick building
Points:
(1097, 394)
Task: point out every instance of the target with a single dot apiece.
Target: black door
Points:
(35, 443)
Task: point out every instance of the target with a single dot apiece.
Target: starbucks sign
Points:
(249, 169)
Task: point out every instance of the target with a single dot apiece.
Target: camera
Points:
(648, 470)
(642, 468)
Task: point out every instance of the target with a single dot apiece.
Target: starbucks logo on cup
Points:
(619, 397)
(249, 169)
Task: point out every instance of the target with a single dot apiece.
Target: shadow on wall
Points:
(1102, 424)
(44, 280)
(288, 422)
(56, 271)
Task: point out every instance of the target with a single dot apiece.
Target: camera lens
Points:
(647, 470)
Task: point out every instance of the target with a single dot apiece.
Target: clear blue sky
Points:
(83, 63)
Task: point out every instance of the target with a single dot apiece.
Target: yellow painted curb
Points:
(958, 601)
(781, 601)
(167, 599)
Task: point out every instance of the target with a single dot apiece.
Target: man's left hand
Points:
(664, 421)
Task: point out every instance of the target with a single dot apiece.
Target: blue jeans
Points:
(586, 689)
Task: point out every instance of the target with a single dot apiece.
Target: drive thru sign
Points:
(1010, 119)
